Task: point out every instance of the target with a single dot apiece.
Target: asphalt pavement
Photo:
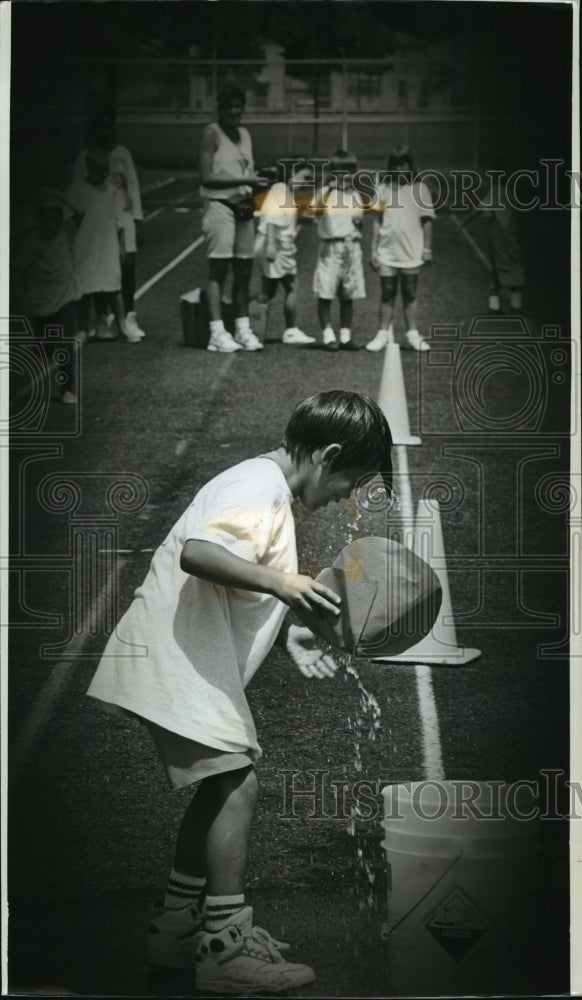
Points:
(94, 491)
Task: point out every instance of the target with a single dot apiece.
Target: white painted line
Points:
(156, 185)
(431, 736)
(163, 208)
(54, 687)
(169, 267)
(152, 215)
(475, 246)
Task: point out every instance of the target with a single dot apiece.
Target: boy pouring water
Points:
(210, 609)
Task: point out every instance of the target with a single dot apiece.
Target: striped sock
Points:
(183, 890)
(219, 911)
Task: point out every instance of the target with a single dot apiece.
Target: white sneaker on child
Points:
(128, 333)
(171, 937)
(416, 341)
(241, 959)
(379, 342)
(248, 340)
(132, 326)
(223, 343)
(295, 337)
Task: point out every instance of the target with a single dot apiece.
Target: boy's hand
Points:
(303, 593)
(307, 655)
(270, 253)
(374, 262)
(427, 255)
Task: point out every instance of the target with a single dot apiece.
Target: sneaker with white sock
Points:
(132, 326)
(416, 341)
(171, 937)
(296, 338)
(248, 340)
(329, 341)
(222, 341)
(379, 342)
(240, 960)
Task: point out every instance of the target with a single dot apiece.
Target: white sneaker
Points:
(68, 397)
(295, 337)
(171, 937)
(222, 342)
(241, 959)
(379, 342)
(417, 342)
(132, 326)
(248, 340)
(128, 335)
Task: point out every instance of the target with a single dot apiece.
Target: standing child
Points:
(276, 248)
(99, 244)
(507, 271)
(45, 285)
(210, 609)
(123, 175)
(339, 269)
(401, 244)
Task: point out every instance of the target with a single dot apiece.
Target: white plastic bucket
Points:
(463, 875)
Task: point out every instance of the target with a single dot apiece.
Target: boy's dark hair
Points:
(356, 422)
(230, 92)
(344, 160)
(401, 156)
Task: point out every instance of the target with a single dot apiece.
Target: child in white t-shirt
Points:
(208, 612)
(99, 242)
(276, 249)
(123, 175)
(339, 269)
(401, 245)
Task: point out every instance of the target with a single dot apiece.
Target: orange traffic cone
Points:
(392, 397)
(439, 647)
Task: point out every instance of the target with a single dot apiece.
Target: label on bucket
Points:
(457, 924)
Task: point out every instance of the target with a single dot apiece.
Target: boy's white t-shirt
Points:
(338, 208)
(279, 209)
(401, 240)
(185, 650)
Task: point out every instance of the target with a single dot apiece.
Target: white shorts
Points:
(339, 269)
(285, 261)
(227, 237)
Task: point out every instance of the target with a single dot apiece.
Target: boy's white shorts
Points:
(186, 761)
(339, 266)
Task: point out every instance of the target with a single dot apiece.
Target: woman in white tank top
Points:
(227, 182)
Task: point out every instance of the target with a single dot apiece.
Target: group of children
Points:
(75, 268)
(401, 243)
(231, 189)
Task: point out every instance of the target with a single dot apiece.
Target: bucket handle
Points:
(388, 931)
